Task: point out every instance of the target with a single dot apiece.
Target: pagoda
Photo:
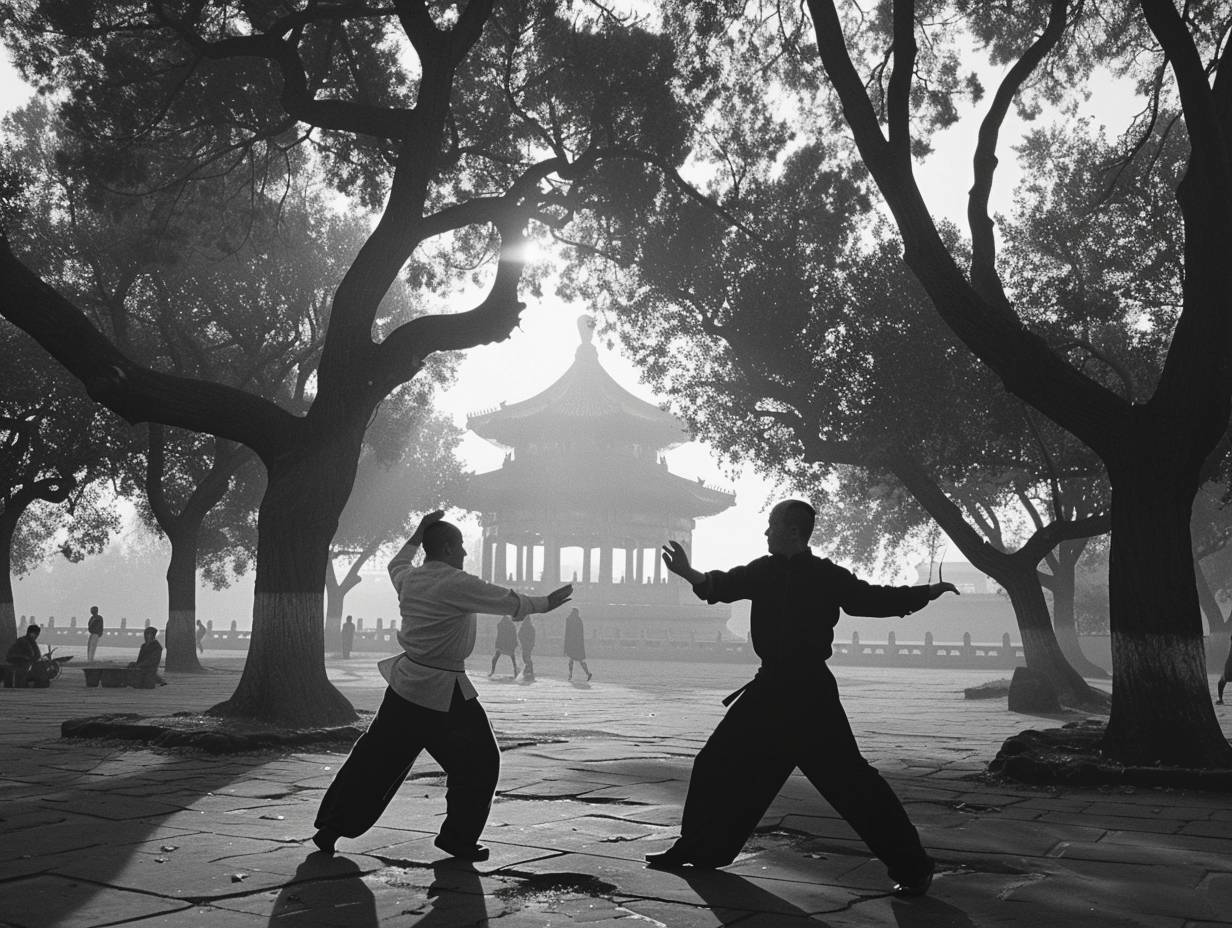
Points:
(584, 469)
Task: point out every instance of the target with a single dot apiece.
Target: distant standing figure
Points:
(526, 638)
(575, 642)
(789, 715)
(1225, 676)
(144, 670)
(95, 627)
(202, 631)
(348, 637)
(506, 643)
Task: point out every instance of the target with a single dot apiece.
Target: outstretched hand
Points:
(676, 558)
(677, 561)
(559, 597)
(936, 589)
(430, 519)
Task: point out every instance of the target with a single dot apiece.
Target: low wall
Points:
(681, 645)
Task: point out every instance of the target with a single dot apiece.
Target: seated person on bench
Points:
(143, 672)
(25, 660)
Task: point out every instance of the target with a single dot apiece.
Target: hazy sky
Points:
(542, 348)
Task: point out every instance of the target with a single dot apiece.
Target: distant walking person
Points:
(430, 703)
(526, 639)
(202, 631)
(506, 643)
(95, 627)
(348, 637)
(1225, 676)
(789, 715)
(575, 642)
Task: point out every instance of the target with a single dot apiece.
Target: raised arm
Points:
(857, 597)
(401, 561)
(714, 586)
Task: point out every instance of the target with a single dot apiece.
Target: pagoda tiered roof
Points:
(593, 480)
(584, 403)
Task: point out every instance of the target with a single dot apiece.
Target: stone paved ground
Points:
(96, 834)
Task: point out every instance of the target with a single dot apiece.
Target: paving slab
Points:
(593, 778)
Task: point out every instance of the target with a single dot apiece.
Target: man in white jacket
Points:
(430, 703)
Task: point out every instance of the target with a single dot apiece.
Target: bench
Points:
(111, 675)
(105, 674)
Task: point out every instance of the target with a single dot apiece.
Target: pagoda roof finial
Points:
(586, 328)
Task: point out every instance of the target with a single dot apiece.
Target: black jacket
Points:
(796, 602)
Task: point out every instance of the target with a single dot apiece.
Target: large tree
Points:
(884, 70)
(182, 280)
(409, 467)
(461, 122)
(798, 344)
(55, 451)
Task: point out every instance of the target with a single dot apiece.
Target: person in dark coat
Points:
(506, 643)
(25, 660)
(143, 672)
(526, 640)
(790, 715)
(95, 626)
(575, 642)
(348, 636)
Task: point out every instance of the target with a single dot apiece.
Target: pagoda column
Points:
(640, 560)
(530, 562)
(628, 562)
(658, 570)
(499, 569)
(605, 563)
(586, 563)
(551, 562)
(485, 556)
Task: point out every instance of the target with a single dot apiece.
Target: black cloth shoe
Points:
(910, 889)
(471, 852)
(324, 840)
(674, 858)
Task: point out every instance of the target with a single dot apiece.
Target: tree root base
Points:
(213, 734)
(1071, 756)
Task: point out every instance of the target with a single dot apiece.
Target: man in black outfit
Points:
(789, 715)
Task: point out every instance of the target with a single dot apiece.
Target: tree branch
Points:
(136, 393)
(898, 94)
(1024, 362)
(984, 275)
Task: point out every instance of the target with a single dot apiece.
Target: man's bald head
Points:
(440, 540)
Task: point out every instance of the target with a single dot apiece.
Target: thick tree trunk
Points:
(333, 608)
(8, 613)
(1161, 709)
(1039, 643)
(1210, 605)
(1063, 622)
(284, 678)
(335, 596)
(1017, 573)
(181, 634)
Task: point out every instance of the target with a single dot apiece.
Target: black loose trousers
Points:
(460, 740)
